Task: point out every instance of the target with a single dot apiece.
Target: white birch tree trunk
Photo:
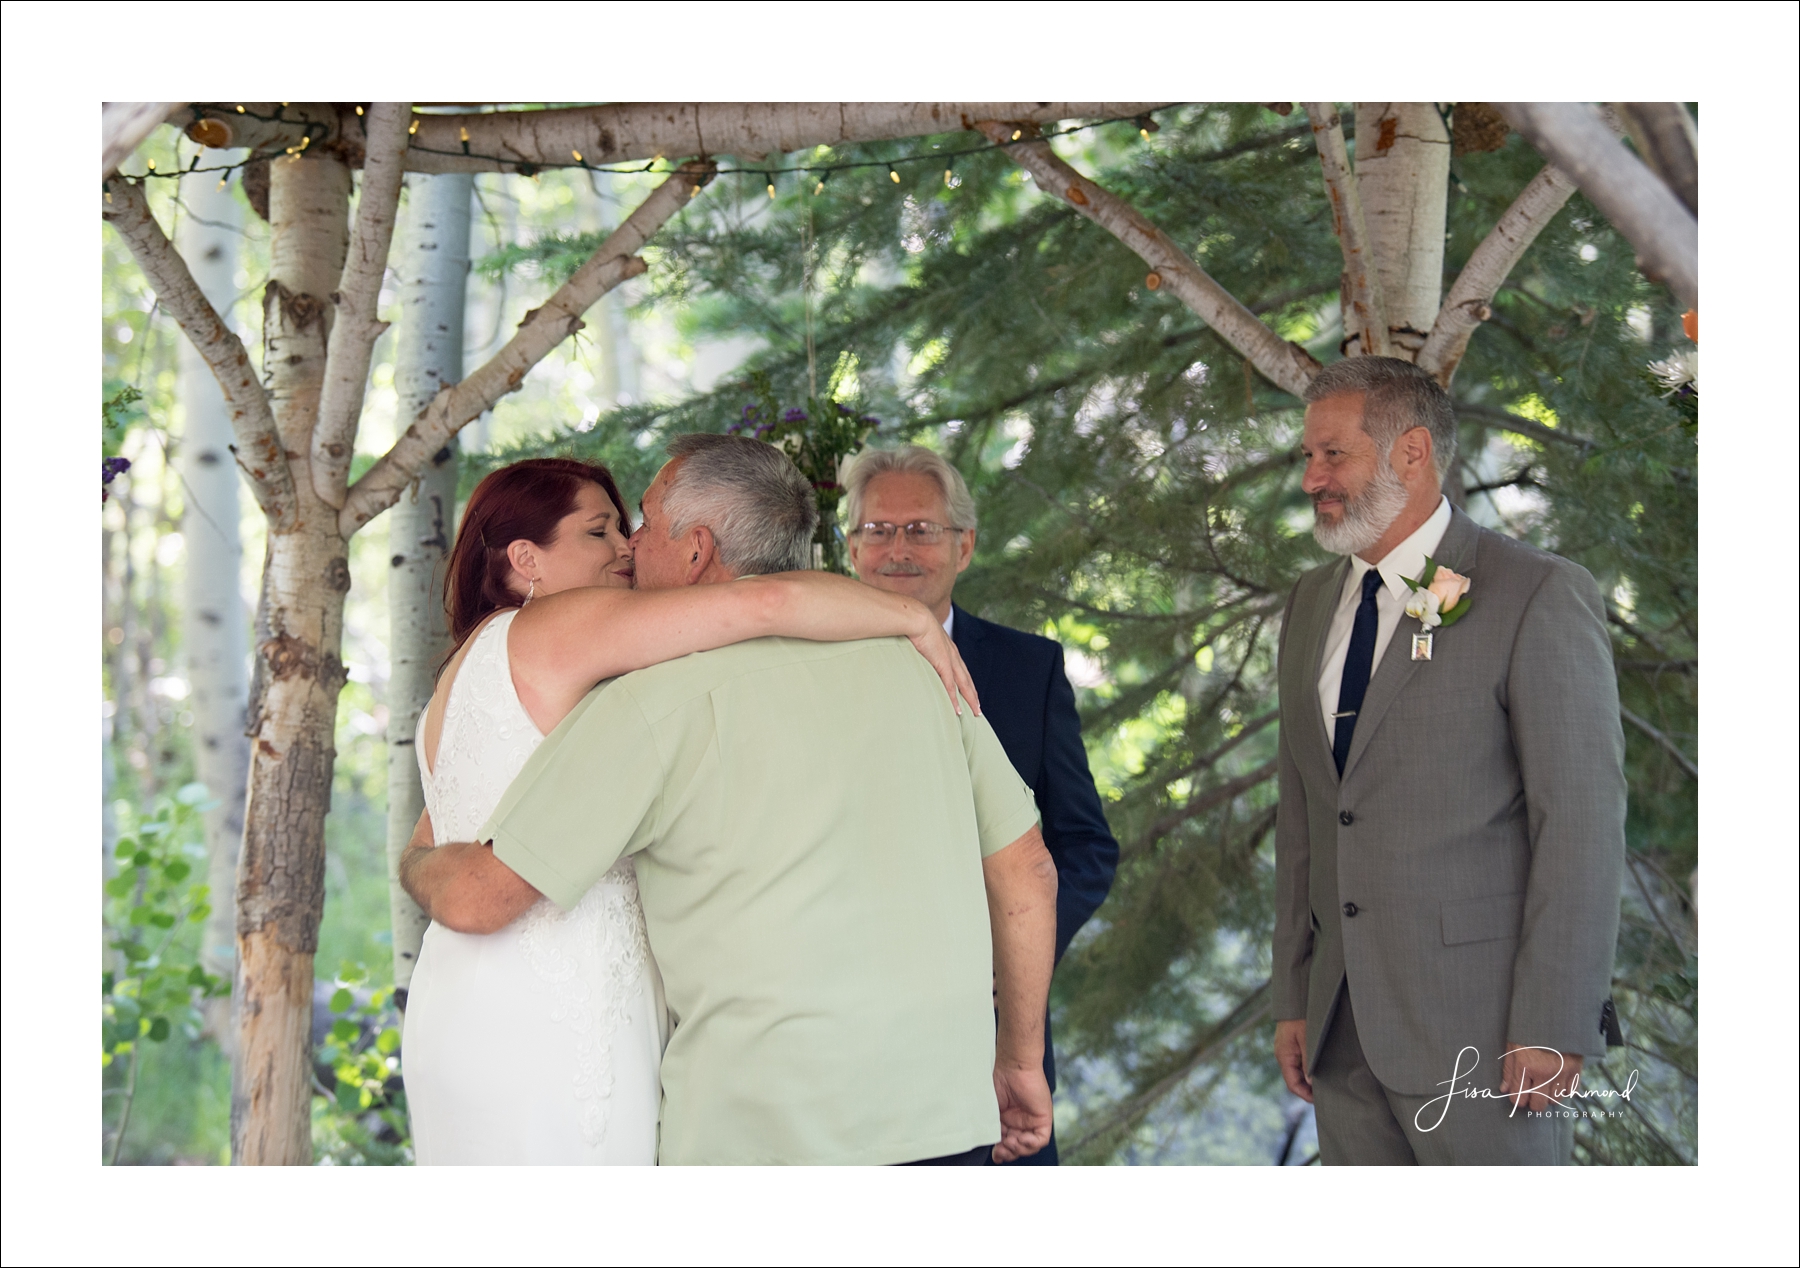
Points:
(215, 633)
(281, 873)
(433, 268)
(1403, 179)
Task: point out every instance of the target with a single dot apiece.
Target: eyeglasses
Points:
(921, 532)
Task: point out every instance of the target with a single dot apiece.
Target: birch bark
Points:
(632, 131)
(215, 633)
(1573, 136)
(433, 270)
(1471, 297)
(281, 873)
(1365, 316)
(1402, 182)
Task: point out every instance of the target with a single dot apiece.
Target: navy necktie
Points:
(1358, 662)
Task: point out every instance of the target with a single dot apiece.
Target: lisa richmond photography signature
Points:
(1460, 1087)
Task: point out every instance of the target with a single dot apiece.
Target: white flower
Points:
(1422, 606)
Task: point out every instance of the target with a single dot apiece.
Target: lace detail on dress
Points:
(486, 739)
(608, 922)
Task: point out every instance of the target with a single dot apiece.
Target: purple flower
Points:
(764, 430)
(794, 416)
(110, 468)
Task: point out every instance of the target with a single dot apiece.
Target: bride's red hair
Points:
(525, 500)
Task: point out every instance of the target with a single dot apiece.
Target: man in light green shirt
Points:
(832, 944)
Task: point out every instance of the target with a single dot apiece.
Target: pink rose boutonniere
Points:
(1440, 597)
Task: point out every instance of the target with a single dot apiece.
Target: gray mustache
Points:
(900, 570)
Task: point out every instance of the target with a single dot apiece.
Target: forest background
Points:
(31, 487)
(1139, 499)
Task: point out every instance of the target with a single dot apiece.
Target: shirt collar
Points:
(1408, 558)
(950, 624)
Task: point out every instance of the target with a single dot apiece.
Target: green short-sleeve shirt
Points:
(809, 821)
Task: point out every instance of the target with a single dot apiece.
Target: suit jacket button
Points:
(1346, 818)
(1350, 909)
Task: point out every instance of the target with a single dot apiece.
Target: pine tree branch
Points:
(1243, 1018)
(258, 450)
(355, 328)
(1287, 365)
(1668, 745)
(1471, 298)
(623, 132)
(1666, 234)
(543, 329)
(1365, 316)
(1491, 417)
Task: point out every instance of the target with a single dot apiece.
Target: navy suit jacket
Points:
(1026, 698)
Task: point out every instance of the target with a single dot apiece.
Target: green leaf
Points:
(162, 920)
(197, 977)
(143, 858)
(121, 885)
(345, 1031)
(139, 915)
(1425, 577)
(126, 847)
(348, 1098)
(1452, 615)
(387, 1042)
(200, 913)
(351, 974)
(176, 871)
(159, 1029)
(341, 999)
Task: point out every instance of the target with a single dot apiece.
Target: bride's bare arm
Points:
(563, 644)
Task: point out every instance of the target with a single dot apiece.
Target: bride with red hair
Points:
(541, 1043)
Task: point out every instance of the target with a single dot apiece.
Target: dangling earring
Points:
(531, 593)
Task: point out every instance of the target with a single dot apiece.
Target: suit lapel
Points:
(1315, 623)
(1457, 553)
(966, 633)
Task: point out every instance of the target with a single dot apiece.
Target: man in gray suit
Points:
(1451, 834)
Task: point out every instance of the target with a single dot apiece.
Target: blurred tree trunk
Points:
(1403, 177)
(433, 268)
(215, 630)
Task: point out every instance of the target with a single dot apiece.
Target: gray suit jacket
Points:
(1478, 829)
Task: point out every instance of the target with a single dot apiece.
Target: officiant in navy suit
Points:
(912, 531)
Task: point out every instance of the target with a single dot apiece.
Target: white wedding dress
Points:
(539, 1044)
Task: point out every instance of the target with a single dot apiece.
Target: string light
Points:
(151, 164)
(525, 167)
(358, 111)
(771, 185)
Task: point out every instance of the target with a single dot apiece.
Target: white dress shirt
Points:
(950, 625)
(1405, 560)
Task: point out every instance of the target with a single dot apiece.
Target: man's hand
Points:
(461, 885)
(1024, 1096)
(1021, 893)
(1536, 1078)
(1290, 1055)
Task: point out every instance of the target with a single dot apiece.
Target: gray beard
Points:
(1366, 517)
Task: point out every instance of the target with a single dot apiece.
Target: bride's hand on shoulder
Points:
(936, 646)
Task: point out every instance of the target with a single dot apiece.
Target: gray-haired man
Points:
(824, 938)
(1451, 833)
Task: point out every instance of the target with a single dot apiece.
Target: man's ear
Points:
(701, 550)
(1414, 448)
(965, 550)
